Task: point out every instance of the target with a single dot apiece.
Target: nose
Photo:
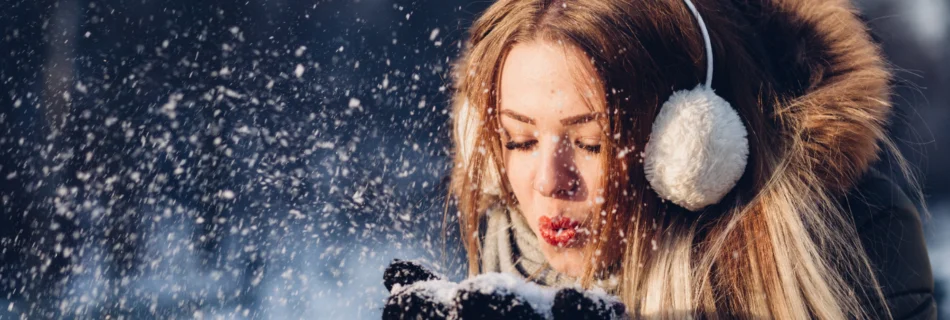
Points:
(557, 175)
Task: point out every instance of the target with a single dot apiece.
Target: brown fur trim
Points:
(835, 85)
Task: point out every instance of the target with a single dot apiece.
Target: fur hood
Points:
(838, 101)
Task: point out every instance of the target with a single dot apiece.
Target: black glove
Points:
(572, 304)
(422, 294)
(472, 303)
(415, 303)
(407, 301)
(406, 273)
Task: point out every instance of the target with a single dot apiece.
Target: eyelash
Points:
(527, 145)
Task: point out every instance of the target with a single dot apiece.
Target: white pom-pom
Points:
(698, 149)
(466, 128)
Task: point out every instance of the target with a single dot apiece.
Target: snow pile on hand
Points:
(416, 292)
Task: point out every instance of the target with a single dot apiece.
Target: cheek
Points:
(591, 172)
(519, 170)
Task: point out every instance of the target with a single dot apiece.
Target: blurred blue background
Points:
(254, 159)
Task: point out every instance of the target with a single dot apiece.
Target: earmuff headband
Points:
(698, 147)
(706, 42)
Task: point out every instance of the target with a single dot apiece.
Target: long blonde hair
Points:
(811, 88)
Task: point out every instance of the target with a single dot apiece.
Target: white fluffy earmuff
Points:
(698, 147)
(466, 128)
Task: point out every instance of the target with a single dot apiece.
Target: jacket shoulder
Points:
(890, 230)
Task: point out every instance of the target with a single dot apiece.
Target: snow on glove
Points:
(410, 301)
(417, 293)
(500, 296)
(487, 296)
(406, 273)
(422, 300)
(505, 296)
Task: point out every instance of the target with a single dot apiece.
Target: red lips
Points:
(558, 231)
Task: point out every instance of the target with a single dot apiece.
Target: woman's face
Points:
(551, 114)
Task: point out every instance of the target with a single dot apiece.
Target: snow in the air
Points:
(256, 159)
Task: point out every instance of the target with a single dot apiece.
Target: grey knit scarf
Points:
(509, 245)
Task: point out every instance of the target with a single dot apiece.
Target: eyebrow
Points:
(517, 116)
(569, 121)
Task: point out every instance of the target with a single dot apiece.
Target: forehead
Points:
(547, 81)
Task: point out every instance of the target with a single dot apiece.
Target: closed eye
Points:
(526, 145)
(591, 148)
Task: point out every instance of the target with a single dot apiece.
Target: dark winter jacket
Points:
(890, 230)
(838, 87)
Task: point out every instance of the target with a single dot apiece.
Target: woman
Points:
(573, 163)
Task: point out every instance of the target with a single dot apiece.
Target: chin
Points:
(569, 261)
